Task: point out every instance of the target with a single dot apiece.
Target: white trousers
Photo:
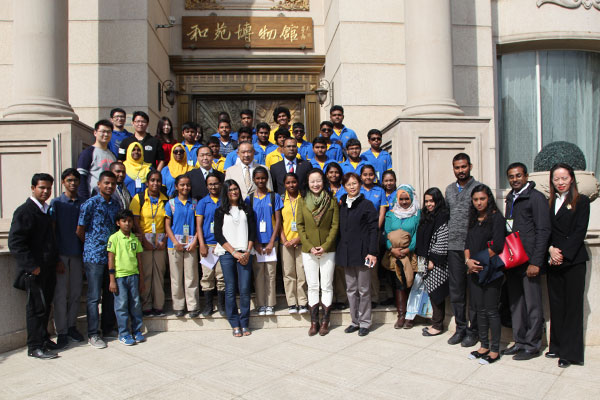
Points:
(325, 266)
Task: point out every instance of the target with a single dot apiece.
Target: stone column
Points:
(429, 87)
(40, 55)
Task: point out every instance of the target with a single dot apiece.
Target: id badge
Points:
(186, 230)
(138, 183)
(154, 227)
(190, 163)
(262, 226)
(294, 229)
(509, 224)
(212, 227)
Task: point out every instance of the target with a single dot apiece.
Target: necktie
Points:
(290, 166)
(247, 179)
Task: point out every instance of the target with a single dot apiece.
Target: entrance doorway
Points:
(206, 109)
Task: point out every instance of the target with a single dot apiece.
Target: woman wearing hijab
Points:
(317, 222)
(402, 220)
(136, 169)
(177, 166)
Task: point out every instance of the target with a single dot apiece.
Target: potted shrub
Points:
(568, 153)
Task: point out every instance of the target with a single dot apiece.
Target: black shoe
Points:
(62, 342)
(456, 338)
(363, 331)
(194, 314)
(351, 329)
(50, 345)
(374, 305)
(179, 313)
(208, 304)
(510, 351)
(469, 341)
(562, 363)
(42, 354)
(389, 302)
(427, 333)
(476, 354)
(74, 335)
(550, 354)
(488, 360)
(524, 355)
(148, 313)
(337, 306)
(345, 306)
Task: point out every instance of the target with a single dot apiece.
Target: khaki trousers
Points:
(184, 279)
(294, 280)
(154, 265)
(339, 285)
(264, 282)
(210, 276)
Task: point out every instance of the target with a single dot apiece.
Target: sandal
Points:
(246, 331)
(237, 332)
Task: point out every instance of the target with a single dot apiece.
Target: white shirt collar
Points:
(43, 207)
(560, 199)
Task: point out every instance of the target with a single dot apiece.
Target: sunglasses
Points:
(178, 151)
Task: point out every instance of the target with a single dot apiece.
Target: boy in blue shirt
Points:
(354, 163)
(341, 133)
(334, 149)
(188, 131)
(263, 146)
(320, 159)
(378, 158)
(126, 278)
(305, 148)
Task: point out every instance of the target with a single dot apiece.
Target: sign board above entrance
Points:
(246, 32)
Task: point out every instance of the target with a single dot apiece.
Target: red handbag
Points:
(513, 254)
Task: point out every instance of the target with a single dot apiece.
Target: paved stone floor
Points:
(285, 363)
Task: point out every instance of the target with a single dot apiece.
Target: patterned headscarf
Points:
(414, 207)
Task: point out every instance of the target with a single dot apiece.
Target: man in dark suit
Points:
(526, 213)
(198, 176)
(290, 163)
(32, 243)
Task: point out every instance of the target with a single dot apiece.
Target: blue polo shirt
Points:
(381, 163)
(207, 207)
(192, 154)
(167, 181)
(116, 139)
(376, 195)
(65, 213)
(316, 164)
(340, 193)
(345, 135)
(306, 150)
(265, 211)
(180, 215)
(334, 152)
(348, 167)
(261, 155)
(232, 157)
(391, 199)
(98, 217)
(232, 135)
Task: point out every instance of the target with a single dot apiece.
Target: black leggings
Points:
(486, 299)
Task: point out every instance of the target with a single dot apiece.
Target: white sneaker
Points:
(269, 310)
(293, 310)
(262, 310)
(96, 342)
(303, 309)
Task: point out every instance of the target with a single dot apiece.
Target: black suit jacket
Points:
(278, 171)
(569, 227)
(358, 235)
(199, 189)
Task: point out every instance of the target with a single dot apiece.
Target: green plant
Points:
(559, 152)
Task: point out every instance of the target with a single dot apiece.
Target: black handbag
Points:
(22, 280)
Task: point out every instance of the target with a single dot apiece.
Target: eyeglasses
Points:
(105, 131)
(231, 190)
(326, 130)
(118, 117)
(375, 139)
(178, 151)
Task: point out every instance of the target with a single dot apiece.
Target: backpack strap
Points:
(172, 205)
(142, 199)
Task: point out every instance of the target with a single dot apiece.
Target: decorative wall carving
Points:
(292, 5)
(587, 4)
(281, 5)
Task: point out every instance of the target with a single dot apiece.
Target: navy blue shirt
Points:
(65, 214)
(98, 217)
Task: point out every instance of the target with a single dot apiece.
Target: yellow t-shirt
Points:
(219, 164)
(272, 134)
(289, 212)
(354, 164)
(150, 212)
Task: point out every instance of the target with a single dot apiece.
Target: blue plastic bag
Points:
(418, 300)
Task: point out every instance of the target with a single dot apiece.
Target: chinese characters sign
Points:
(247, 32)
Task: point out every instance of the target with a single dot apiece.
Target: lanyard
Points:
(293, 207)
(152, 208)
(187, 210)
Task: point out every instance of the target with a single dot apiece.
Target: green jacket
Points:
(322, 235)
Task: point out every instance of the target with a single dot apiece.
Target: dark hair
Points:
(40, 176)
(491, 205)
(225, 116)
(263, 125)
(298, 125)
(140, 114)
(107, 174)
(68, 172)
(159, 133)
(573, 194)
(353, 142)
(281, 132)
(213, 140)
(228, 122)
(305, 189)
(279, 110)
(246, 111)
(374, 132)
(362, 169)
(326, 123)
(114, 164)
(153, 172)
(291, 175)
(179, 178)
(104, 122)
(116, 110)
(123, 214)
(388, 172)
(349, 175)
(213, 175)
(244, 129)
(336, 108)
(189, 125)
(440, 205)
(224, 198)
(336, 166)
(260, 169)
(461, 156)
(319, 140)
(517, 165)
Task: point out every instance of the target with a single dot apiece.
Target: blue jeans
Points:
(128, 304)
(97, 280)
(240, 276)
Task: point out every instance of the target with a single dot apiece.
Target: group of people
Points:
(333, 217)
